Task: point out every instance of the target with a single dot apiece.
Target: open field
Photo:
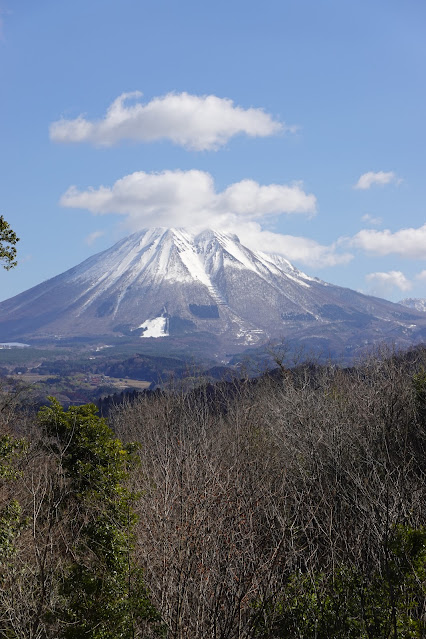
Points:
(129, 383)
(87, 380)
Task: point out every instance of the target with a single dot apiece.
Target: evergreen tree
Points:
(102, 592)
(8, 240)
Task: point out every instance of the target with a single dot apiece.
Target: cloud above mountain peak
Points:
(160, 199)
(189, 199)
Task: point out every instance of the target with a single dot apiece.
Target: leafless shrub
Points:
(303, 471)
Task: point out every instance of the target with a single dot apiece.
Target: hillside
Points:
(291, 506)
(206, 294)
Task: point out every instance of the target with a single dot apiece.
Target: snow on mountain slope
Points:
(171, 283)
(156, 327)
(419, 304)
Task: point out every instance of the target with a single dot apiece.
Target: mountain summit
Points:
(168, 283)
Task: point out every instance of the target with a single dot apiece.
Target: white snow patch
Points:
(157, 327)
(194, 266)
(298, 280)
(237, 251)
(267, 261)
(280, 264)
(13, 345)
(412, 302)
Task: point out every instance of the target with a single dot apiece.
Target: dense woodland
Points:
(288, 507)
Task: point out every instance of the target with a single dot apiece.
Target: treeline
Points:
(293, 507)
(144, 367)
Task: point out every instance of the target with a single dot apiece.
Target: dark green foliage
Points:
(106, 308)
(146, 367)
(8, 239)
(10, 450)
(11, 520)
(180, 326)
(351, 604)
(205, 311)
(10, 524)
(102, 590)
(95, 461)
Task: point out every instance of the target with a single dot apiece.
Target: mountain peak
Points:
(211, 234)
(206, 286)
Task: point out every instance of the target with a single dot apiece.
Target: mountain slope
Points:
(170, 283)
(418, 303)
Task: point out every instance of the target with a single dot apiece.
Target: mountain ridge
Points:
(170, 282)
(418, 303)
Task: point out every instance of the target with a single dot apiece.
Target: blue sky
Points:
(298, 124)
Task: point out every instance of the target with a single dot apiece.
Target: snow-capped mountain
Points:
(169, 283)
(419, 304)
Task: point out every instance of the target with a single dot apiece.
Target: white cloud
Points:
(384, 283)
(196, 122)
(367, 180)
(92, 237)
(188, 198)
(302, 250)
(249, 198)
(370, 219)
(409, 242)
(421, 276)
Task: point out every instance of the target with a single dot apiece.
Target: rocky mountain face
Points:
(169, 283)
(419, 304)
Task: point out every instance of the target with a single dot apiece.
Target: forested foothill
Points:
(291, 506)
(86, 373)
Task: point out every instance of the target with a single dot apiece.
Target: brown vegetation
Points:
(310, 473)
(293, 506)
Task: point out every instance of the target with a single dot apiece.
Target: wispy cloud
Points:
(370, 219)
(299, 249)
(196, 122)
(384, 283)
(421, 276)
(92, 237)
(410, 242)
(381, 178)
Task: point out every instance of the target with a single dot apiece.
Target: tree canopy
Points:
(8, 240)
